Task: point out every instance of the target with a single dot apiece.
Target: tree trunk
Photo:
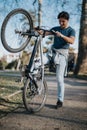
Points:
(81, 66)
(19, 60)
(39, 12)
(39, 21)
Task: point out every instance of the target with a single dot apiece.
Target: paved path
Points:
(72, 116)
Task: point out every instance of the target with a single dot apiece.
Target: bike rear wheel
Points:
(33, 98)
(18, 20)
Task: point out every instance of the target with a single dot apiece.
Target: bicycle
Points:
(35, 86)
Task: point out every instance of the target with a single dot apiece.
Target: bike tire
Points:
(9, 19)
(36, 102)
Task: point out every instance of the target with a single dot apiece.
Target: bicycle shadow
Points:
(51, 106)
(7, 106)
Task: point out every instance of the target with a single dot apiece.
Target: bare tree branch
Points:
(34, 2)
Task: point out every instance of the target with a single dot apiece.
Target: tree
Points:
(39, 12)
(12, 65)
(81, 66)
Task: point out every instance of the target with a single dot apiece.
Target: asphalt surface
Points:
(72, 116)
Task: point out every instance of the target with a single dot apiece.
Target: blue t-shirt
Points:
(60, 43)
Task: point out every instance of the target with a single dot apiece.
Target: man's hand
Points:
(57, 33)
(39, 30)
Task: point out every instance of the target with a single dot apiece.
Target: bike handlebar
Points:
(32, 32)
(45, 30)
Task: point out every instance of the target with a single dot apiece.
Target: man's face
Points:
(63, 22)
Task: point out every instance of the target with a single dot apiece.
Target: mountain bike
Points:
(16, 32)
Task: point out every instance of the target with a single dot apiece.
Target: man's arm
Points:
(70, 39)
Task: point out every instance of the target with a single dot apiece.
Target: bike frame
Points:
(38, 42)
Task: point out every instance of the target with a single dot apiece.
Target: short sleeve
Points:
(72, 33)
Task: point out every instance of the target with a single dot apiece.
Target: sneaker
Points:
(59, 104)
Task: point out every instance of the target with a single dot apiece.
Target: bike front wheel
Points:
(34, 98)
(18, 21)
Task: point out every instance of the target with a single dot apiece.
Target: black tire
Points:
(18, 19)
(34, 102)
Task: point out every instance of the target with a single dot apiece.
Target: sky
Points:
(50, 10)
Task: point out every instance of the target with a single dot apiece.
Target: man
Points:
(64, 35)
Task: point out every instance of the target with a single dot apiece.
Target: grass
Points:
(79, 76)
(8, 86)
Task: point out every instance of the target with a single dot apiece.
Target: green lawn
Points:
(8, 100)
